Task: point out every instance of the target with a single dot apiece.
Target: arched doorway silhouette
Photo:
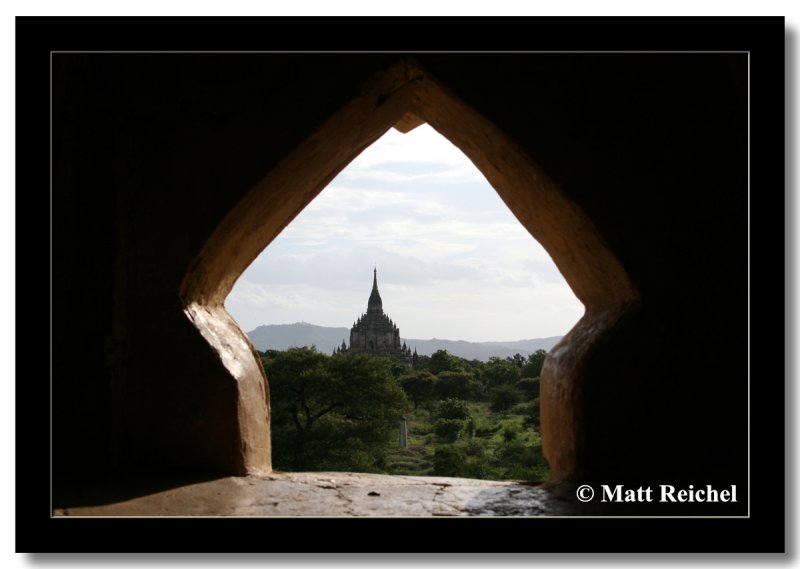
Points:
(404, 96)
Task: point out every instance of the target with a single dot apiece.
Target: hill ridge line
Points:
(327, 338)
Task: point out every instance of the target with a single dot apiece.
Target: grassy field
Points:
(492, 446)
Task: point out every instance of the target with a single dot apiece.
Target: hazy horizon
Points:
(452, 260)
(403, 336)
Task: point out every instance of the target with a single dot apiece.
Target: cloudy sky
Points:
(453, 262)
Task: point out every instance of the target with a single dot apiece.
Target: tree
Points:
(397, 367)
(528, 387)
(422, 362)
(503, 397)
(517, 359)
(453, 419)
(533, 367)
(457, 384)
(442, 361)
(332, 412)
(453, 409)
(419, 386)
(449, 429)
(500, 372)
(301, 385)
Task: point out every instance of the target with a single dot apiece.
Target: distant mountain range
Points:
(326, 339)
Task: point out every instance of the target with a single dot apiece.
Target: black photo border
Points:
(765, 529)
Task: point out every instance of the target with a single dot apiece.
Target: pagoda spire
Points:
(375, 304)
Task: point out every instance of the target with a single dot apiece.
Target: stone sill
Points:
(338, 494)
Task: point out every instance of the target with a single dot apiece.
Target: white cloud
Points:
(423, 146)
(458, 174)
(452, 260)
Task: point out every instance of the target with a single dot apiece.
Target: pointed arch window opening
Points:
(374, 332)
(445, 203)
(406, 96)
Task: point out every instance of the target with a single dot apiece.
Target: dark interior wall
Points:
(654, 148)
(151, 151)
(83, 258)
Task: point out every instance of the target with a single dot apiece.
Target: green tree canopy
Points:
(533, 367)
(517, 359)
(503, 397)
(332, 412)
(453, 409)
(528, 387)
(419, 386)
(500, 372)
(442, 361)
(458, 385)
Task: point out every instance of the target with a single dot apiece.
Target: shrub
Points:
(531, 413)
(458, 385)
(503, 397)
(510, 432)
(521, 461)
(528, 387)
(449, 429)
(468, 460)
(448, 460)
(453, 409)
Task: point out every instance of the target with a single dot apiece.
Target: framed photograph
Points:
(578, 205)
